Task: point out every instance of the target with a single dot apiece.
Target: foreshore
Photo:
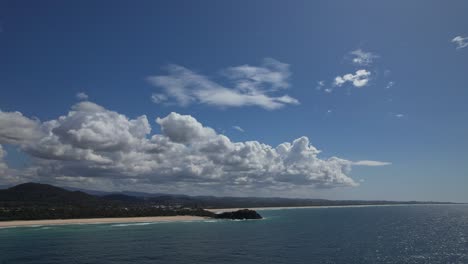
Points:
(25, 223)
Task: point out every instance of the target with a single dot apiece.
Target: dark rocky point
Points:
(240, 214)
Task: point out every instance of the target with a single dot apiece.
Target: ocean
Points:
(375, 234)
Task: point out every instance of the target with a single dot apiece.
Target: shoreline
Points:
(222, 210)
(88, 221)
(178, 218)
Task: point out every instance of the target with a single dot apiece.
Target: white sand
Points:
(4, 224)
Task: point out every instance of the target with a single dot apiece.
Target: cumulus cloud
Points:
(362, 58)
(82, 96)
(250, 86)
(460, 42)
(16, 128)
(3, 165)
(359, 79)
(94, 145)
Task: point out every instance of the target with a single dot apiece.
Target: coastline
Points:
(149, 219)
(179, 218)
(222, 210)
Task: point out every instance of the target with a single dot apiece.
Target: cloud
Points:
(184, 129)
(82, 96)
(397, 115)
(238, 128)
(272, 75)
(371, 163)
(158, 98)
(17, 129)
(9, 175)
(3, 165)
(460, 42)
(360, 79)
(389, 85)
(250, 86)
(362, 58)
(96, 146)
(320, 85)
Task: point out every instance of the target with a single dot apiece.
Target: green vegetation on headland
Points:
(34, 201)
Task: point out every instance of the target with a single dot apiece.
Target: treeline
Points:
(71, 212)
(33, 201)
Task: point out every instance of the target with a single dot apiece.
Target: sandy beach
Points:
(99, 221)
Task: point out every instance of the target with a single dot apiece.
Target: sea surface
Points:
(380, 234)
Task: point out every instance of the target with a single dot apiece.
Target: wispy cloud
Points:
(362, 58)
(82, 96)
(389, 85)
(320, 85)
(238, 128)
(397, 115)
(371, 163)
(250, 86)
(460, 42)
(158, 98)
(359, 79)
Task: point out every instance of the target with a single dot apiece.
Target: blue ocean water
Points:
(390, 234)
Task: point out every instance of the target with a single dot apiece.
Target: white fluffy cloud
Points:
(251, 86)
(460, 42)
(362, 58)
(359, 79)
(95, 145)
(16, 128)
(3, 165)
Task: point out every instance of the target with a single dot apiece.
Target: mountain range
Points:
(37, 194)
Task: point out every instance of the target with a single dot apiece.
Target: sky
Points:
(319, 99)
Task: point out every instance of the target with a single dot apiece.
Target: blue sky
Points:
(279, 70)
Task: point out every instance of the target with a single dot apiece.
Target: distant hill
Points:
(42, 194)
(37, 194)
(30, 201)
